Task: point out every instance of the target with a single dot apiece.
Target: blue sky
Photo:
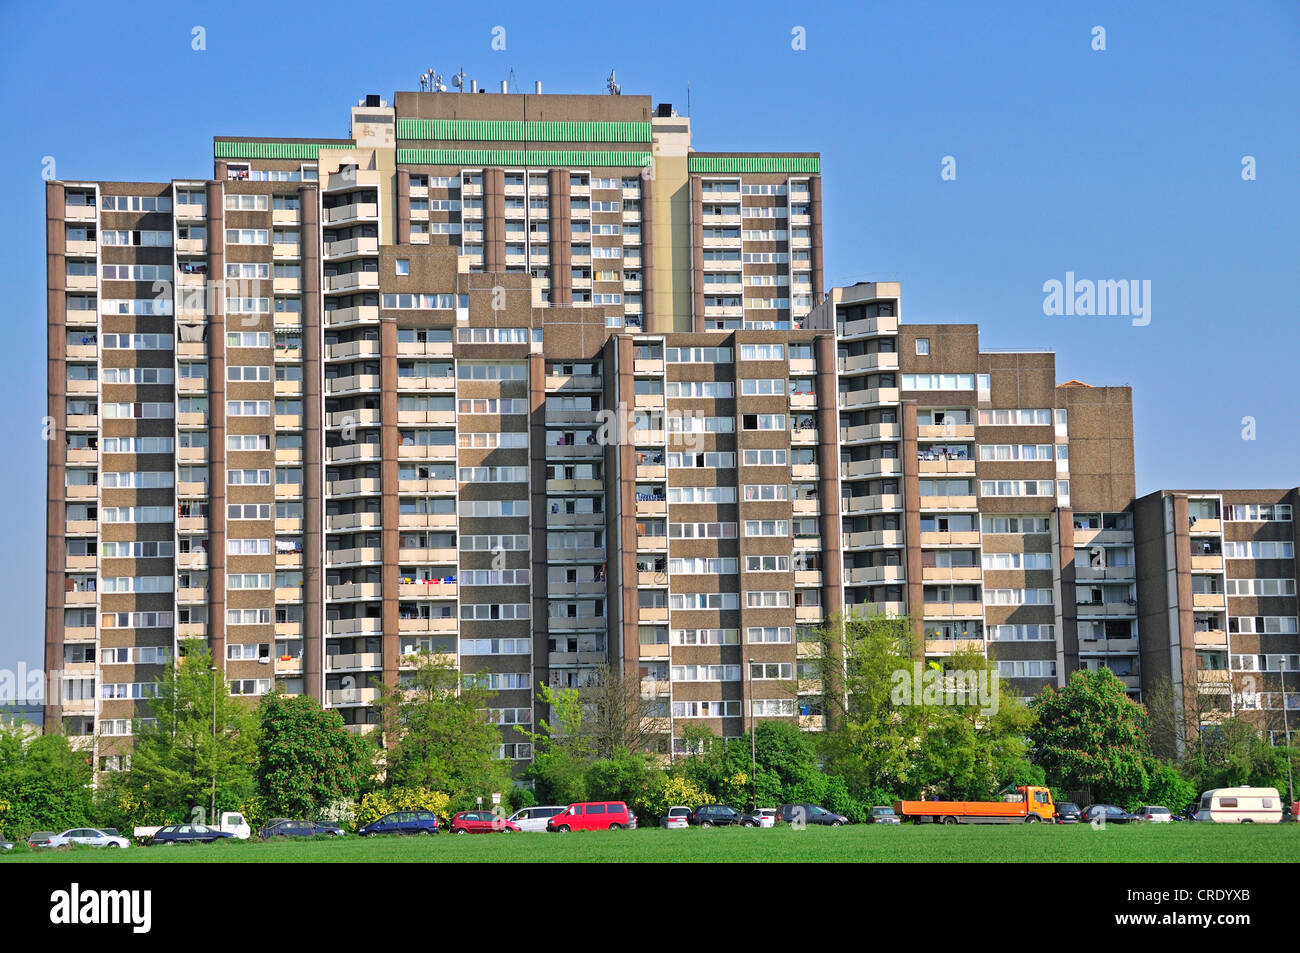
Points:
(1116, 164)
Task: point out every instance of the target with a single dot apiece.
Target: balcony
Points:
(871, 397)
(878, 503)
(355, 590)
(353, 557)
(857, 363)
(954, 610)
(354, 212)
(427, 590)
(360, 314)
(344, 697)
(1094, 609)
(875, 538)
(354, 662)
(950, 573)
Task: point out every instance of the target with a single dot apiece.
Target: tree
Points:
(633, 778)
(306, 758)
(970, 747)
(200, 739)
(1235, 753)
(616, 716)
(870, 741)
(1091, 734)
(562, 749)
(439, 737)
(44, 783)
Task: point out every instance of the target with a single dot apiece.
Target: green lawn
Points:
(906, 843)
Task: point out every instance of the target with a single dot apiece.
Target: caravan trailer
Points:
(1240, 806)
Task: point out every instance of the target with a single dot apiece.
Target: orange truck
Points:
(1020, 805)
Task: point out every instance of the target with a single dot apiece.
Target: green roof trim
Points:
(811, 164)
(514, 130)
(522, 157)
(273, 150)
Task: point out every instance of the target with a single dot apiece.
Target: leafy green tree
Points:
(201, 737)
(1234, 753)
(970, 747)
(306, 758)
(1169, 788)
(870, 741)
(633, 778)
(439, 738)
(1091, 734)
(44, 783)
(562, 749)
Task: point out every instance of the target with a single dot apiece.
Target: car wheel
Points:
(462, 831)
(118, 846)
(1032, 819)
(836, 823)
(706, 823)
(563, 828)
(748, 824)
(426, 831)
(616, 827)
(947, 820)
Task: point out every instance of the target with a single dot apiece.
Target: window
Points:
(403, 266)
(922, 345)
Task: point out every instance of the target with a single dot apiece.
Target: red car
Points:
(593, 816)
(481, 822)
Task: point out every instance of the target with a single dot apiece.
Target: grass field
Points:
(1174, 843)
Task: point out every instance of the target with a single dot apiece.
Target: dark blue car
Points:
(187, 834)
(403, 822)
(285, 828)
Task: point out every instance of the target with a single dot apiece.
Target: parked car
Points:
(593, 816)
(187, 834)
(1067, 812)
(232, 823)
(282, 827)
(481, 822)
(535, 818)
(676, 818)
(89, 837)
(811, 814)
(766, 816)
(884, 815)
(1108, 813)
(39, 839)
(402, 822)
(1154, 814)
(5, 845)
(1291, 813)
(720, 815)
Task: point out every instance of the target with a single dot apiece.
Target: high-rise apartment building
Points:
(979, 497)
(1217, 601)
(348, 400)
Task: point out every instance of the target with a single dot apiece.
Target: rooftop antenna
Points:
(514, 84)
(425, 77)
(613, 87)
(459, 80)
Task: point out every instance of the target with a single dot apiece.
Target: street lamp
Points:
(212, 807)
(753, 749)
(1286, 730)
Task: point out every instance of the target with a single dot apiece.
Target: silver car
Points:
(88, 836)
(676, 817)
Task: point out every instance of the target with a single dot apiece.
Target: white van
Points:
(1240, 806)
(535, 818)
